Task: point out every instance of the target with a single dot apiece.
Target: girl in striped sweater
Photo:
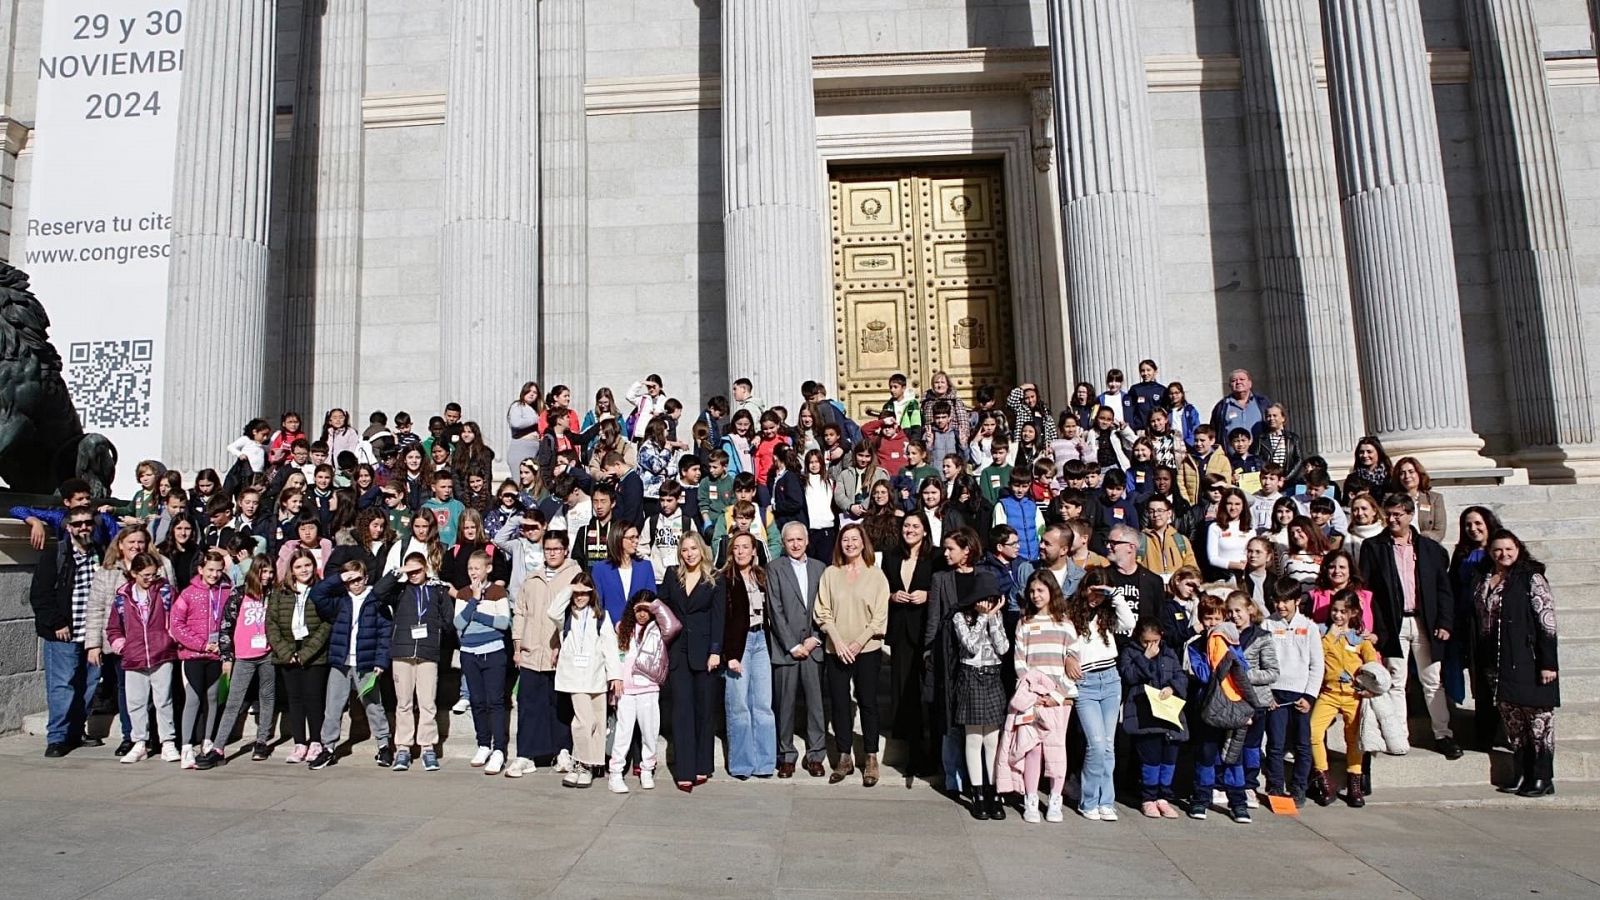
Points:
(1042, 639)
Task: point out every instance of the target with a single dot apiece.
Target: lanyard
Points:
(422, 603)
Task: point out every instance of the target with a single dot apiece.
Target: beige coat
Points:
(535, 637)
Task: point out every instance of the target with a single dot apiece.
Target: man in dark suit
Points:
(1414, 609)
(796, 649)
(629, 490)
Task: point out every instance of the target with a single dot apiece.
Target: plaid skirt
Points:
(980, 696)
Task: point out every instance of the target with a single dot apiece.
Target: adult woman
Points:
(472, 456)
(621, 573)
(852, 610)
(115, 569)
(1370, 470)
(523, 419)
(822, 522)
(1411, 479)
(1307, 547)
(1517, 635)
(1096, 616)
(337, 433)
(961, 586)
(1185, 418)
(690, 591)
(941, 388)
(908, 565)
(747, 681)
(1466, 567)
(1227, 536)
(882, 521)
(1276, 443)
(1365, 522)
(1339, 573)
(1083, 404)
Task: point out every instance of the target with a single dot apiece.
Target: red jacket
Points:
(762, 453)
(891, 452)
(142, 641)
(196, 615)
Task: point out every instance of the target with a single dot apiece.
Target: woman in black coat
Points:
(952, 589)
(1517, 632)
(909, 565)
(689, 589)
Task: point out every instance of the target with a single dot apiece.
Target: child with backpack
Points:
(588, 668)
(1149, 662)
(136, 630)
(647, 629)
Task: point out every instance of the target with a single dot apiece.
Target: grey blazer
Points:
(788, 611)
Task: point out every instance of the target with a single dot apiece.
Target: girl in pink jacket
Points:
(196, 625)
(136, 630)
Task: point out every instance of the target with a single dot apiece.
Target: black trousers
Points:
(864, 673)
(692, 696)
(306, 688)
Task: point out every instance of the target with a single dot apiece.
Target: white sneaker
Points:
(481, 757)
(569, 780)
(1092, 815)
(585, 777)
(138, 753)
(615, 783)
(1108, 813)
(496, 764)
(517, 769)
(1030, 809)
(1252, 800)
(169, 752)
(1219, 798)
(1053, 812)
(207, 747)
(461, 706)
(564, 761)
(187, 760)
(647, 780)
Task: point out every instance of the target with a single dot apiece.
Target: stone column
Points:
(489, 299)
(564, 203)
(1531, 249)
(778, 311)
(322, 337)
(1295, 200)
(1108, 186)
(217, 305)
(1408, 315)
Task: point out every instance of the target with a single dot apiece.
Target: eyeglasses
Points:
(508, 496)
(1119, 543)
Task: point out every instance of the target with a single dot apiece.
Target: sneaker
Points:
(322, 760)
(124, 747)
(615, 784)
(1197, 810)
(496, 764)
(1052, 813)
(521, 766)
(1030, 809)
(461, 706)
(314, 751)
(1252, 800)
(570, 780)
(297, 755)
(203, 761)
(1219, 799)
(187, 759)
(585, 777)
(481, 757)
(1241, 815)
(1150, 810)
(1108, 813)
(564, 761)
(135, 753)
(1166, 810)
(1092, 815)
(169, 752)
(647, 780)
(260, 752)
(207, 747)
(402, 761)
(218, 757)
(384, 757)
(430, 760)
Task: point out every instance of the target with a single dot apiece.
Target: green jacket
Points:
(280, 631)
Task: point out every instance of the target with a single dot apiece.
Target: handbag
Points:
(1219, 710)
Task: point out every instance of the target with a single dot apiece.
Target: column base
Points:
(1574, 464)
(1439, 451)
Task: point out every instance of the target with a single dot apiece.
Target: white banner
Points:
(97, 239)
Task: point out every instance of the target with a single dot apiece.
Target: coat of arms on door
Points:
(877, 338)
(968, 334)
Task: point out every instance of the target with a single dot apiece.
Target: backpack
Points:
(1218, 709)
(852, 430)
(238, 478)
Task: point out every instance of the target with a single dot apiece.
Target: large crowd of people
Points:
(1037, 605)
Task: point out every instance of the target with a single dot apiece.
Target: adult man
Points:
(1125, 578)
(1243, 408)
(60, 599)
(796, 649)
(1145, 396)
(1004, 561)
(1055, 557)
(1412, 608)
(1162, 549)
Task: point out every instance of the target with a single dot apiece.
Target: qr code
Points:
(110, 382)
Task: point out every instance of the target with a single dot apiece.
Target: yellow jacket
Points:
(1340, 659)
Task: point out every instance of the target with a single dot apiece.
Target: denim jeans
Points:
(69, 684)
(487, 674)
(111, 667)
(1288, 729)
(1098, 707)
(747, 701)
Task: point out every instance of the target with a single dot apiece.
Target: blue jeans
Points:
(747, 701)
(69, 687)
(111, 668)
(953, 756)
(487, 673)
(1098, 707)
(1288, 729)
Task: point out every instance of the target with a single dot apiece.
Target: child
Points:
(658, 540)
(1262, 501)
(1141, 476)
(1261, 670)
(1019, 511)
(588, 667)
(445, 509)
(980, 700)
(1044, 476)
(417, 605)
(1114, 398)
(1180, 611)
(1150, 662)
(995, 476)
(1344, 650)
(136, 630)
(1239, 455)
(196, 624)
(251, 446)
(358, 652)
(1298, 647)
(1203, 652)
(482, 616)
(1041, 648)
(1322, 510)
(298, 636)
(716, 492)
(917, 468)
(1116, 507)
(145, 504)
(744, 522)
(246, 657)
(284, 438)
(647, 629)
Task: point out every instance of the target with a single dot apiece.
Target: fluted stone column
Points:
(489, 297)
(322, 336)
(1306, 296)
(1408, 316)
(217, 297)
(1531, 247)
(778, 313)
(564, 202)
(1107, 185)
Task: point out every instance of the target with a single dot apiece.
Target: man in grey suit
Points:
(796, 649)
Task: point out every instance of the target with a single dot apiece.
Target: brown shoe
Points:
(842, 770)
(869, 774)
(814, 766)
(786, 770)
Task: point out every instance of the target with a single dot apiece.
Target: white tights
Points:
(983, 741)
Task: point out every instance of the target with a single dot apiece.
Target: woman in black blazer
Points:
(689, 589)
(909, 566)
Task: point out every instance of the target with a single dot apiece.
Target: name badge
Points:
(1117, 513)
(419, 632)
(580, 659)
(258, 642)
(712, 492)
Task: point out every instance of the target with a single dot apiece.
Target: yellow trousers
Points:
(1328, 708)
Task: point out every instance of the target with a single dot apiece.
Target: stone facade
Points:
(902, 80)
(21, 670)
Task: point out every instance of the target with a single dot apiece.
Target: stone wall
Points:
(21, 673)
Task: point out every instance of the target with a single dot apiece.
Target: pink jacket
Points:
(197, 615)
(1030, 725)
(143, 642)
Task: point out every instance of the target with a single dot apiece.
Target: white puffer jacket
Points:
(1382, 715)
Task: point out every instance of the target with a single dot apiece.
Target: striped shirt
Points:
(1042, 646)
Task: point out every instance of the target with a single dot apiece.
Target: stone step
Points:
(1578, 681)
(1577, 622)
(1525, 517)
(1578, 719)
(1579, 653)
(1488, 495)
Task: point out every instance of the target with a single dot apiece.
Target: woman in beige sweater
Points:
(853, 612)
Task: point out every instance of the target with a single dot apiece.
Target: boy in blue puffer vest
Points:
(1019, 510)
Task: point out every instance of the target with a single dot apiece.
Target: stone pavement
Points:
(86, 826)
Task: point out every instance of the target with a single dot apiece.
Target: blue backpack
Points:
(852, 431)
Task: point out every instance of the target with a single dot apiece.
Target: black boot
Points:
(997, 807)
(1366, 774)
(1543, 783)
(1521, 769)
(979, 804)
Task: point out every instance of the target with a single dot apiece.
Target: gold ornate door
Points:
(920, 279)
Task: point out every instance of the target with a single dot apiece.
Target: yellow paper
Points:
(1250, 482)
(1167, 709)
